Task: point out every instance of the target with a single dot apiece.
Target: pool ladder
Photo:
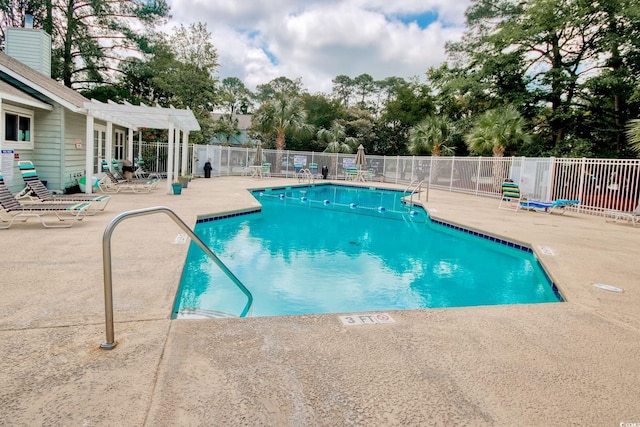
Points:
(106, 263)
(305, 175)
(417, 188)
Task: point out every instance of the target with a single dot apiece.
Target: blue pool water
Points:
(330, 249)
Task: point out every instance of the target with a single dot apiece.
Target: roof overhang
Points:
(36, 89)
(142, 116)
(12, 94)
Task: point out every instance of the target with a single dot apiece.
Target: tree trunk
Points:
(67, 60)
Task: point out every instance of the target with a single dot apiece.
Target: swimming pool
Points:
(337, 249)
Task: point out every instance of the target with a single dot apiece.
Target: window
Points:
(18, 128)
(118, 152)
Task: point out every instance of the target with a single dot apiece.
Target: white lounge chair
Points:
(66, 214)
(632, 217)
(35, 191)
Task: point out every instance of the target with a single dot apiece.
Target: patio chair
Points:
(119, 175)
(141, 171)
(632, 217)
(313, 169)
(351, 174)
(66, 214)
(36, 191)
(265, 171)
(110, 184)
(558, 205)
(107, 171)
(511, 195)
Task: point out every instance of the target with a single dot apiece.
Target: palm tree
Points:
(495, 132)
(431, 137)
(280, 115)
(498, 130)
(336, 139)
(633, 133)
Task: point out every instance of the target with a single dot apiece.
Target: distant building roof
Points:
(244, 120)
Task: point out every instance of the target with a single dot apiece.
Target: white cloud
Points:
(318, 40)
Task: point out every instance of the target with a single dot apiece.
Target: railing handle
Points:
(106, 263)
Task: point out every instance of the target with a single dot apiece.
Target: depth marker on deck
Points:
(366, 319)
(546, 250)
(180, 239)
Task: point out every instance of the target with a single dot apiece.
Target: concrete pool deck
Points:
(536, 365)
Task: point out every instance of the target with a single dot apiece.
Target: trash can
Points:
(207, 169)
(325, 172)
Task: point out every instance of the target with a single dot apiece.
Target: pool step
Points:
(200, 313)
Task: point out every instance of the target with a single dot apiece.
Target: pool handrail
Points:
(417, 188)
(106, 263)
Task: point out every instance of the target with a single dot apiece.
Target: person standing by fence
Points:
(207, 169)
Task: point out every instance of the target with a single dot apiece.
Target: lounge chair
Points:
(36, 191)
(110, 184)
(66, 214)
(313, 169)
(632, 217)
(141, 172)
(558, 205)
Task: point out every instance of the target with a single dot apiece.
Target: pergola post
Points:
(108, 144)
(176, 154)
(185, 152)
(170, 172)
(88, 187)
(130, 154)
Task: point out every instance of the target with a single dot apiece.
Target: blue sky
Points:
(317, 40)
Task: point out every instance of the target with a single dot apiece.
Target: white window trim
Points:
(24, 112)
(119, 141)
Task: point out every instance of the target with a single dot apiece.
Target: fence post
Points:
(413, 167)
(583, 166)
(397, 168)
(453, 160)
(430, 168)
(551, 179)
(478, 175)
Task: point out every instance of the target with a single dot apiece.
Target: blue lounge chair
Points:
(559, 205)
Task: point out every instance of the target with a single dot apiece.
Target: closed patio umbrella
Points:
(257, 160)
(360, 158)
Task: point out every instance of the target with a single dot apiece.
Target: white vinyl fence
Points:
(599, 184)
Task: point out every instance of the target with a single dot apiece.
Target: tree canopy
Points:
(539, 78)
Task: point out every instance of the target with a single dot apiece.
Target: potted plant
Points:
(177, 187)
(184, 179)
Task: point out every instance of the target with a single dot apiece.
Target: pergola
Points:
(178, 124)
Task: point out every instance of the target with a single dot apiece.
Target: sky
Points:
(317, 40)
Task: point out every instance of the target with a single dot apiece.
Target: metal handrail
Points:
(106, 262)
(418, 189)
(305, 175)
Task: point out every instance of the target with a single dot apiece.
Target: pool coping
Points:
(511, 243)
